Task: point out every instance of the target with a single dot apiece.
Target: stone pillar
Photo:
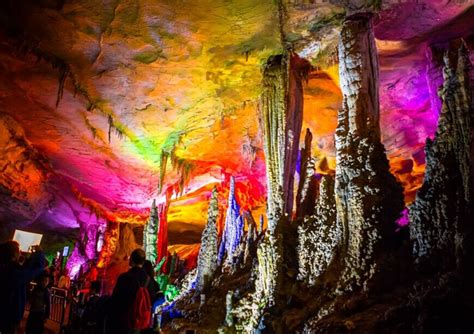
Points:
(207, 258)
(368, 198)
(150, 234)
(281, 119)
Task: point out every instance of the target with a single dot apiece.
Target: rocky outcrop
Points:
(368, 198)
(319, 236)
(441, 227)
(207, 258)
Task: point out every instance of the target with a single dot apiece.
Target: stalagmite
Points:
(207, 258)
(233, 229)
(319, 236)
(281, 119)
(249, 252)
(368, 198)
(150, 234)
(441, 216)
(307, 187)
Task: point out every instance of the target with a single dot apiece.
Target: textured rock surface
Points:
(207, 258)
(308, 184)
(368, 198)
(281, 120)
(319, 236)
(441, 215)
(233, 230)
(150, 234)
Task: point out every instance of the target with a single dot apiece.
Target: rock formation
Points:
(440, 217)
(319, 236)
(150, 234)
(308, 184)
(162, 242)
(207, 258)
(233, 229)
(281, 119)
(368, 198)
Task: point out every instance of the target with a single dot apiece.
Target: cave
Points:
(288, 166)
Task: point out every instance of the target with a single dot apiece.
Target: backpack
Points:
(141, 309)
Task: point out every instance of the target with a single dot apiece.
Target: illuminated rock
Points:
(441, 215)
(207, 258)
(150, 234)
(281, 119)
(368, 198)
(307, 186)
(319, 235)
(233, 229)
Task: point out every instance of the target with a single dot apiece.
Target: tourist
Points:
(125, 294)
(64, 281)
(39, 305)
(94, 310)
(14, 279)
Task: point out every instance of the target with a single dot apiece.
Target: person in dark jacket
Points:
(39, 305)
(94, 310)
(125, 291)
(14, 279)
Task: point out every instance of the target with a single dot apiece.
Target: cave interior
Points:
(289, 166)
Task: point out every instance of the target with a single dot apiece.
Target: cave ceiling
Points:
(106, 105)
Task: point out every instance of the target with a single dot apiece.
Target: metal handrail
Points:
(58, 304)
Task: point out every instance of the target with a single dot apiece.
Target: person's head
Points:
(43, 279)
(95, 287)
(11, 251)
(137, 258)
(148, 267)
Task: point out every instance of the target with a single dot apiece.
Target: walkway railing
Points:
(58, 304)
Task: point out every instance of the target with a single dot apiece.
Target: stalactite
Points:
(307, 186)
(207, 258)
(163, 162)
(368, 198)
(441, 214)
(233, 229)
(150, 234)
(319, 236)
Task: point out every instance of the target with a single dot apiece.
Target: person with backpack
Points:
(130, 303)
(94, 310)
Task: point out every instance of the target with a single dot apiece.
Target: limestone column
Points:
(368, 198)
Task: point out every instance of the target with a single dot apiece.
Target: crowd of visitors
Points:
(128, 310)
